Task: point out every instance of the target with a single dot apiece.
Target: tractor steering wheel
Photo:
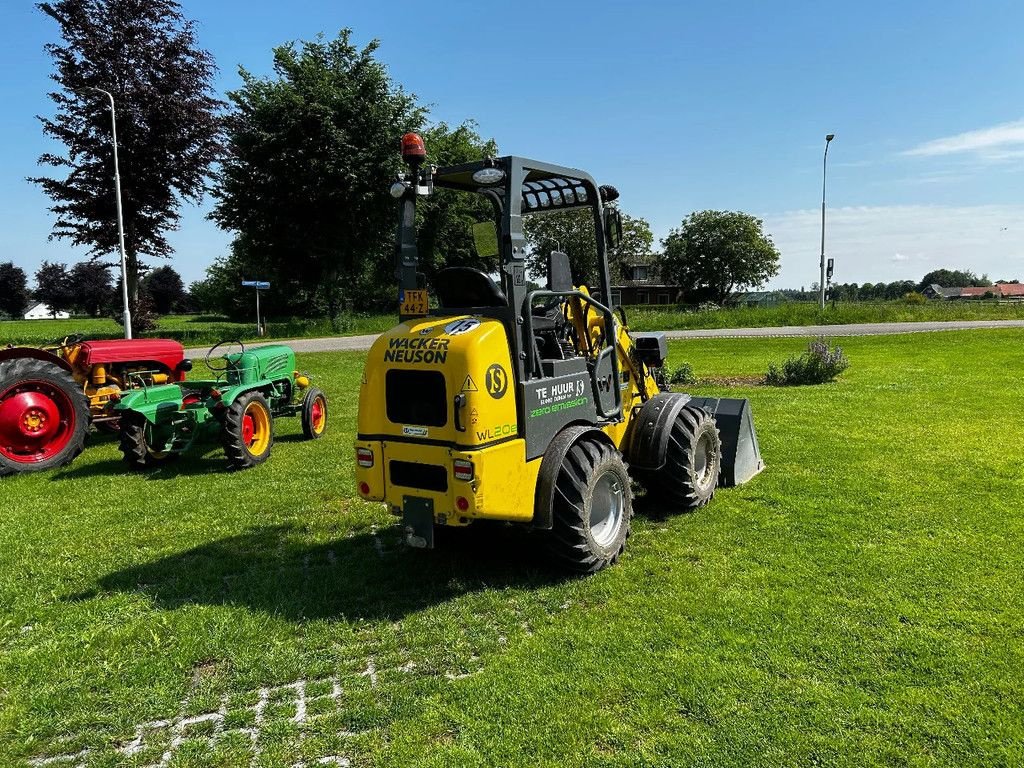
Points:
(223, 357)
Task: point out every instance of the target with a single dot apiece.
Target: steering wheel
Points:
(74, 338)
(223, 357)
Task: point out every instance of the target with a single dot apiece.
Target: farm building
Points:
(42, 311)
(1003, 291)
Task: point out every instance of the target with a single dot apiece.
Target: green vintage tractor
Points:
(252, 387)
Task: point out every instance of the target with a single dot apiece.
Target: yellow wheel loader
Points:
(496, 400)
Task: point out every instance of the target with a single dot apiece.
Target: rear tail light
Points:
(463, 470)
(364, 457)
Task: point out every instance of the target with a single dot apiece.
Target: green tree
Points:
(713, 253)
(53, 287)
(311, 154)
(165, 289)
(953, 278)
(144, 52)
(14, 292)
(91, 287)
(446, 218)
(572, 231)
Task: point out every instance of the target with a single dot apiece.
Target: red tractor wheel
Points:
(314, 414)
(44, 416)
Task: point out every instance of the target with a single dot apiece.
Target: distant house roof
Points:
(1011, 289)
(1002, 290)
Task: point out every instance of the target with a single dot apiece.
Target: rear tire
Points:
(135, 447)
(44, 416)
(314, 414)
(692, 463)
(248, 431)
(592, 508)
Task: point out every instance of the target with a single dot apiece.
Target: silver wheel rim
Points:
(606, 509)
(701, 464)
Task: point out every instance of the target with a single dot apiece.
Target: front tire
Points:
(693, 462)
(136, 445)
(44, 416)
(248, 431)
(314, 414)
(592, 508)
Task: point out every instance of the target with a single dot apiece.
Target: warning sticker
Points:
(469, 385)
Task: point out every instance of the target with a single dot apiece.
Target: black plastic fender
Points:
(551, 462)
(647, 441)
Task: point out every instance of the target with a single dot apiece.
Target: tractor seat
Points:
(458, 287)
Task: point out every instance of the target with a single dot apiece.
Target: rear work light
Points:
(364, 457)
(463, 470)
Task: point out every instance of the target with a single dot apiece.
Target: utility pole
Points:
(120, 216)
(824, 166)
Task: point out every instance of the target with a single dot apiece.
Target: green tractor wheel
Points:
(248, 431)
(137, 443)
(314, 414)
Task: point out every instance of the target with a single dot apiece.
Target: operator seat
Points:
(459, 287)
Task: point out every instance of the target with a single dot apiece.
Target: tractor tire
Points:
(138, 454)
(592, 508)
(693, 462)
(314, 414)
(248, 431)
(44, 416)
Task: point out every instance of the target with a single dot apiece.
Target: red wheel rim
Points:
(319, 414)
(248, 430)
(37, 421)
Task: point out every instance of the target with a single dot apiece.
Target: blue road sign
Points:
(257, 284)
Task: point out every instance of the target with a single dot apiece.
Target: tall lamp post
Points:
(120, 216)
(824, 166)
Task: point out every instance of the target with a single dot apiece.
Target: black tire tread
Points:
(568, 539)
(133, 446)
(231, 433)
(307, 413)
(21, 368)
(675, 483)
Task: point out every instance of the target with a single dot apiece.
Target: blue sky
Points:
(682, 106)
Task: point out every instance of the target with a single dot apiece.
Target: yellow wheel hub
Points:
(256, 428)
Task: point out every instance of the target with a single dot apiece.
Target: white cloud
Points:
(876, 243)
(998, 142)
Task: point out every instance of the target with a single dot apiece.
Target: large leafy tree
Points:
(165, 289)
(311, 154)
(14, 292)
(572, 231)
(90, 286)
(713, 253)
(447, 217)
(144, 52)
(53, 287)
(953, 278)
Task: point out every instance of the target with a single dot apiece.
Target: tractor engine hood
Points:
(440, 380)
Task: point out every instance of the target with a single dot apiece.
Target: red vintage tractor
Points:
(49, 396)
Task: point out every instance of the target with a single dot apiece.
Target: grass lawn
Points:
(859, 603)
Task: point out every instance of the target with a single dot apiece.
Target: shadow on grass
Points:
(275, 570)
(205, 462)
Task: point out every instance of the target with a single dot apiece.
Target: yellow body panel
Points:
(472, 354)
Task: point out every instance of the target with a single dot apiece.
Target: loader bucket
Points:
(741, 456)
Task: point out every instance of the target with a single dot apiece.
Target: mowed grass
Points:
(859, 603)
(190, 329)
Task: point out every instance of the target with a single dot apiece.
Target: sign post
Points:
(259, 285)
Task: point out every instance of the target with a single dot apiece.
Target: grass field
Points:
(859, 603)
(199, 330)
(194, 330)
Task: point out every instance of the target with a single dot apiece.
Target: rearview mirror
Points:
(612, 227)
(485, 238)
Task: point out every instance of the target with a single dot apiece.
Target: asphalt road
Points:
(362, 343)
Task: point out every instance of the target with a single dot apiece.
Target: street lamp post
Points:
(120, 216)
(824, 166)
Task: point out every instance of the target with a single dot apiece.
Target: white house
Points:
(42, 312)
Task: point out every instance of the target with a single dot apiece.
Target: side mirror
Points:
(612, 227)
(559, 272)
(485, 239)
